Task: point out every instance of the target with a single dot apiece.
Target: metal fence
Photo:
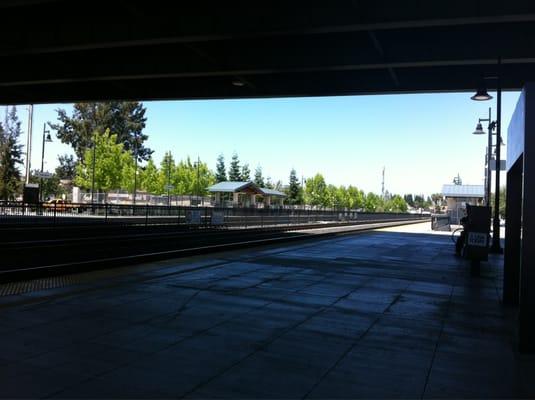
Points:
(57, 214)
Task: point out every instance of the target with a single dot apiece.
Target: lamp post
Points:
(482, 95)
(46, 139)
(479, 131)
(136, 149)
(93, 172)
(168, 180)
(198, 179)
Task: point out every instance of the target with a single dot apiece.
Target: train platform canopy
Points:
(470, 191)
(249, 49)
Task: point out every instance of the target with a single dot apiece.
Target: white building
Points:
(458, 196)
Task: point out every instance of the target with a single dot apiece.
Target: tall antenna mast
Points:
(383, 184)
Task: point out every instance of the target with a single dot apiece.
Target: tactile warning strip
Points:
(11, 288)
(54, 282)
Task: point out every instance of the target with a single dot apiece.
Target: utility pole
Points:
(198, 179)
(93, 172)
(168, 178)
(135, 169)
(29, 143)
(383, 185)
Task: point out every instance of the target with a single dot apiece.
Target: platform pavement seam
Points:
(443, 323)
(183, 339)
(355, 342)
(277, 336)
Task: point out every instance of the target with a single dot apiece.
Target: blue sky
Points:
(423, 140)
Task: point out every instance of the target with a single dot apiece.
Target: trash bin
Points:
(476, 237)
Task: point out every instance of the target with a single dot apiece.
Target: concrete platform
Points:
(391, 313)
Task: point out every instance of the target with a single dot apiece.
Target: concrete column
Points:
(511, 273)
(235, 198)
(526, 331)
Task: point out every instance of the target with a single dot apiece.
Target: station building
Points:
(245, 194)
(458, 196)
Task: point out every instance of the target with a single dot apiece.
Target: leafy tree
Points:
(295, 193)
(373, 203)
(109, 164)
(167, 172)
(234, 173)
(269, 183)
(419, 201)
(409, 199)
(503, 193)
(10, 155)
(258, 178)
(150, 179)
(316, 191)
(245, 175)
(221, 174)
(333, 197)
(203, 179)
(185, 177)
(396, 204)
(67, 167)
(356, 198)
(125, 119)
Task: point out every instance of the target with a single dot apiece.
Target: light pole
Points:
(479, 131)
(169, 180)
(93, 172)
(136, 149)
(29, 143)
(198, 179)
(482, 95)
(46, 139)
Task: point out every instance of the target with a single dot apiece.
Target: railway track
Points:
(26, 259)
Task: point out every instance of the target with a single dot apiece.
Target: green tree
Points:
(221, 174)
(356, 198)
(269, 183)
(409, 199)
(419, 201)
(10, 155)
(258, 178)
(150, 179)
(110, 163)
(204, 178)
(67, 167)
(503, 196)
(373, 203)
(245, 175)
(234, 173)
(126, 119)
(167, 173)
(295, 193)
(396, 203)
(316, 191)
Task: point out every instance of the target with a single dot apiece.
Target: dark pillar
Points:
(511, 274)
(526, 329)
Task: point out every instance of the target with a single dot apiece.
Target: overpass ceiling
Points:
(62, 51)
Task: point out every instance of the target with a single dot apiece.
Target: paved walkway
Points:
(381, 314)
